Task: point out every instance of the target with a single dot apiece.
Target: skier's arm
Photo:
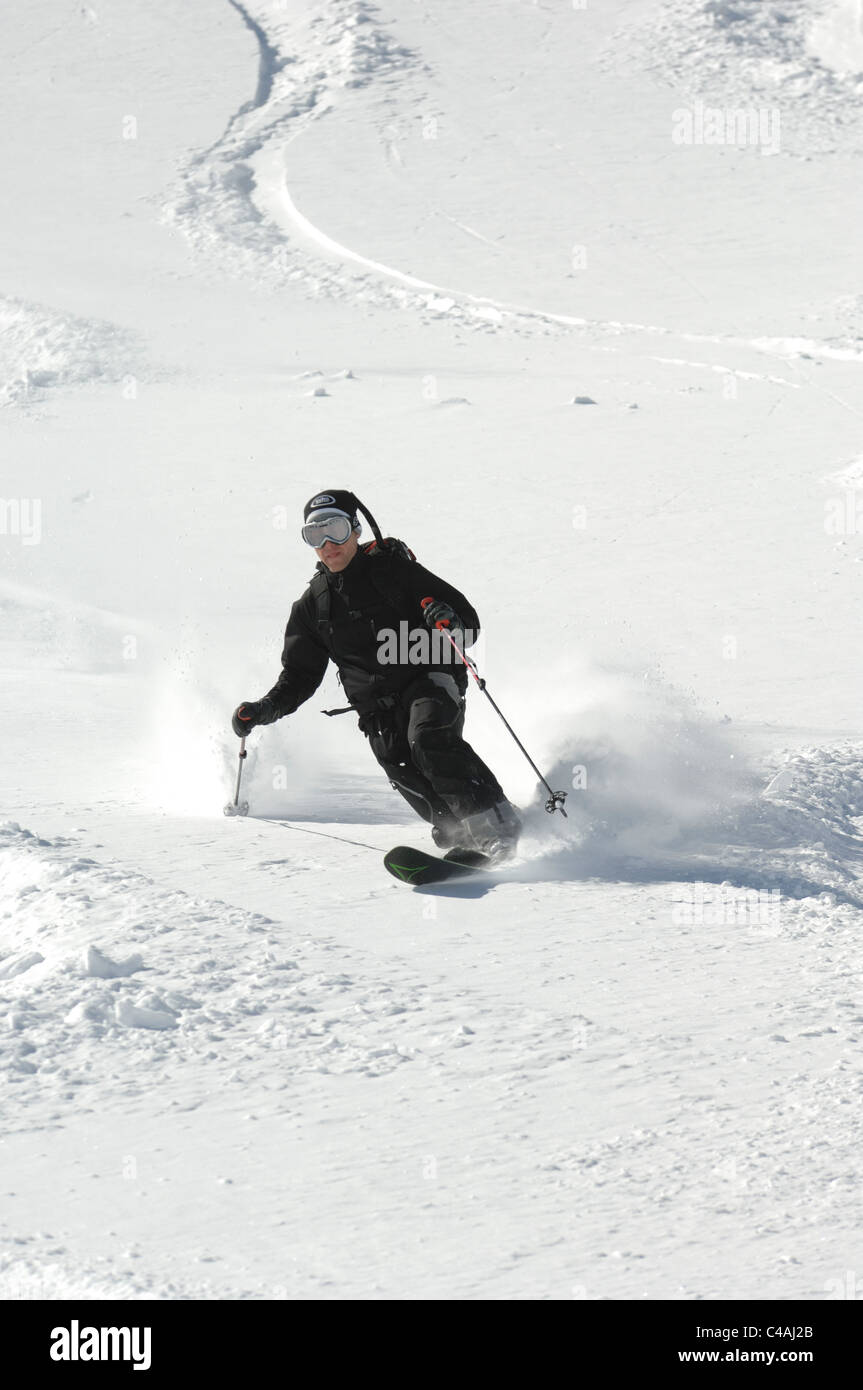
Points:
(421, 584)
(304, 661)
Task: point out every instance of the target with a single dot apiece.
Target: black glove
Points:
(250, 714)
(440, 614)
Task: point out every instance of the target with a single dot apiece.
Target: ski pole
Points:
(555, 799)
(238, 807)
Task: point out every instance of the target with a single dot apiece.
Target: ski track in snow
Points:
(234, 203)
(235, 206)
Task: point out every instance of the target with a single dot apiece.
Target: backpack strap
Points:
(320, 592)
(383, 552)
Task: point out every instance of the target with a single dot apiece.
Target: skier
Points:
(377, 614)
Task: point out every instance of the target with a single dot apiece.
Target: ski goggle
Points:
(336, 528)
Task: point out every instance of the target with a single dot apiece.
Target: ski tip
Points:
(416, 867)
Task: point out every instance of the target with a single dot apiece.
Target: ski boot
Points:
(488, 836)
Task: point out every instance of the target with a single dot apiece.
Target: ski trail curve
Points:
(269, 62)
(236, 207)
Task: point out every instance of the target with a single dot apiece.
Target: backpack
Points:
(381, 575)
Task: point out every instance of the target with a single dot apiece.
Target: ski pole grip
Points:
(424, 603)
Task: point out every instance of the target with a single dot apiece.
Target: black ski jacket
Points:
(339, 618)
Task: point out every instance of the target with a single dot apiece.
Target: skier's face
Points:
(338, 557)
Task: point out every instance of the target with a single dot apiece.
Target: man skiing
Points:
(379, 616)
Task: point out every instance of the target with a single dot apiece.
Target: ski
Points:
(417, 868)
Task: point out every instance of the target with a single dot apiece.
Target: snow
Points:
(43, 349)
(836, 37)
(258, 250)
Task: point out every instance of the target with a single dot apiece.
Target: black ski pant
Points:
(416, 737)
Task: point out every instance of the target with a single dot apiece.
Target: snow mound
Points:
(43, 349)
(744, 53)
(836, 37)
(222, 991)
(101, 967)
(47, 1272)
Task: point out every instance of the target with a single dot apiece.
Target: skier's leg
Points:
(434, 736)
(421, 796)
(386, 732)
(487, 821)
